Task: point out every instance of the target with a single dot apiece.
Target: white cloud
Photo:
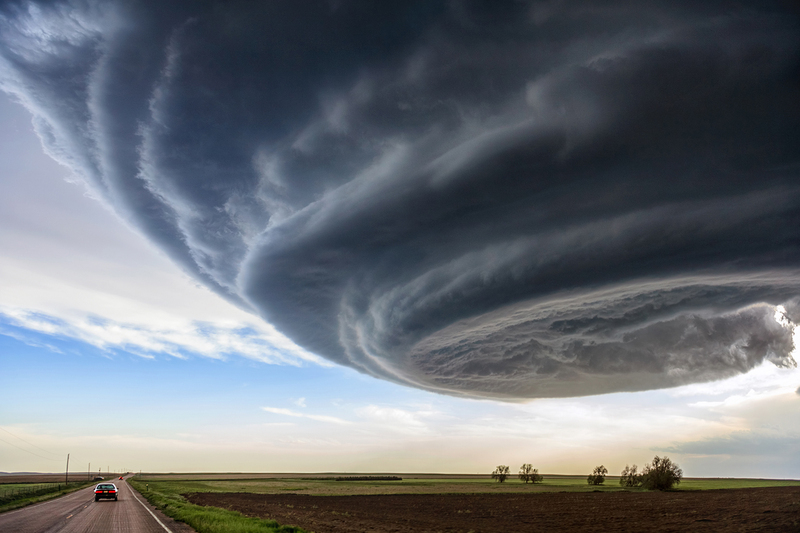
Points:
(178, 337)
(738, 400)
(765, 377)
(393, 419)
(318, 418)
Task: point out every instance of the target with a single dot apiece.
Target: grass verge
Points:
(9, 502)
(205, 519)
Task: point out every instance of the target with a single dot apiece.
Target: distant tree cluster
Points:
(661, 474)
(598, 476)
(630, 477)
(527, 473)
(501, 473)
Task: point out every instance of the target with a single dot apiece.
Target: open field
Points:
(325, 485)
(16, 495)
(452, 503)
(321, 475)
(11, 488)
(205, 519)
(52, 478)
(759, 509)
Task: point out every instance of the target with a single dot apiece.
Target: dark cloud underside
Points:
(533, 199)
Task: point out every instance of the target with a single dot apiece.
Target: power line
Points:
(29, 443)
(30, 452)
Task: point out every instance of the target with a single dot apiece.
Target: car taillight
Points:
(98, 491)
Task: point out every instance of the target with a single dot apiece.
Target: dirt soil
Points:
(760, 509)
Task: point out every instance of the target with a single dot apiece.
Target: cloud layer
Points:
(180, 338)
(535, 200)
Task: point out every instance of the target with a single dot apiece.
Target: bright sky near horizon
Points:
(117, 347)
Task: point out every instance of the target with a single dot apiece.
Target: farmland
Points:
(428, 502)
(326, 485)
(31, 489)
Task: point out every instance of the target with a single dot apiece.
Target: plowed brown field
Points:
(760, 509)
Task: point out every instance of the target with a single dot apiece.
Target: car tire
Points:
(97, 499)
(115, 498)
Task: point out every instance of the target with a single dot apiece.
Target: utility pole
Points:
(66, 472)
(89, 472)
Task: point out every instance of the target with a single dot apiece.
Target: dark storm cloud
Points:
(518, 200)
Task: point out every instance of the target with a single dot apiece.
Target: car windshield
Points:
(106, 487)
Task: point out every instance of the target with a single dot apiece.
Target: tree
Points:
(661, 474)
(529, 474)
(501, 473)
(598, 476)
(630, 477)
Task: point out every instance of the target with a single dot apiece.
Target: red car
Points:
(105, 490)
(120, 477)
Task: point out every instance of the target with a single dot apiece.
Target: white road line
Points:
(160, 523)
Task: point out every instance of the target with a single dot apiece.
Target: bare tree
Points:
(529, 474)
(525, 472)
(501, 473)
(661, 474)
(598, 476)
(630, 477)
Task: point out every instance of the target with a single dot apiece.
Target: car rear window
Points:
(106, 487)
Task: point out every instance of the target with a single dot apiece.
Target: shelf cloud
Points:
(533, 199)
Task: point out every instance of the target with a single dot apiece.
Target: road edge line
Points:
(160, 523)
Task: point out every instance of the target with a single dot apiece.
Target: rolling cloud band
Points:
(534, 199)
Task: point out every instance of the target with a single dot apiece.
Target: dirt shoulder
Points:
(761, 509)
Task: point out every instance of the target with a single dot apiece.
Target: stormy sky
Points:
(504, 200)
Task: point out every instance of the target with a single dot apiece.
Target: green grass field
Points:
(322, 487)
(166, 496)
(731, 483)
(16, 495)
(9, 489)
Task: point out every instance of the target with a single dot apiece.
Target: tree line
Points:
(661, 474)
(527, 473)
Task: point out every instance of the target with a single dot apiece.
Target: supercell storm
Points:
(509, 200)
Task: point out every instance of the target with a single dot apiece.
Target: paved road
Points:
(79, 513)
